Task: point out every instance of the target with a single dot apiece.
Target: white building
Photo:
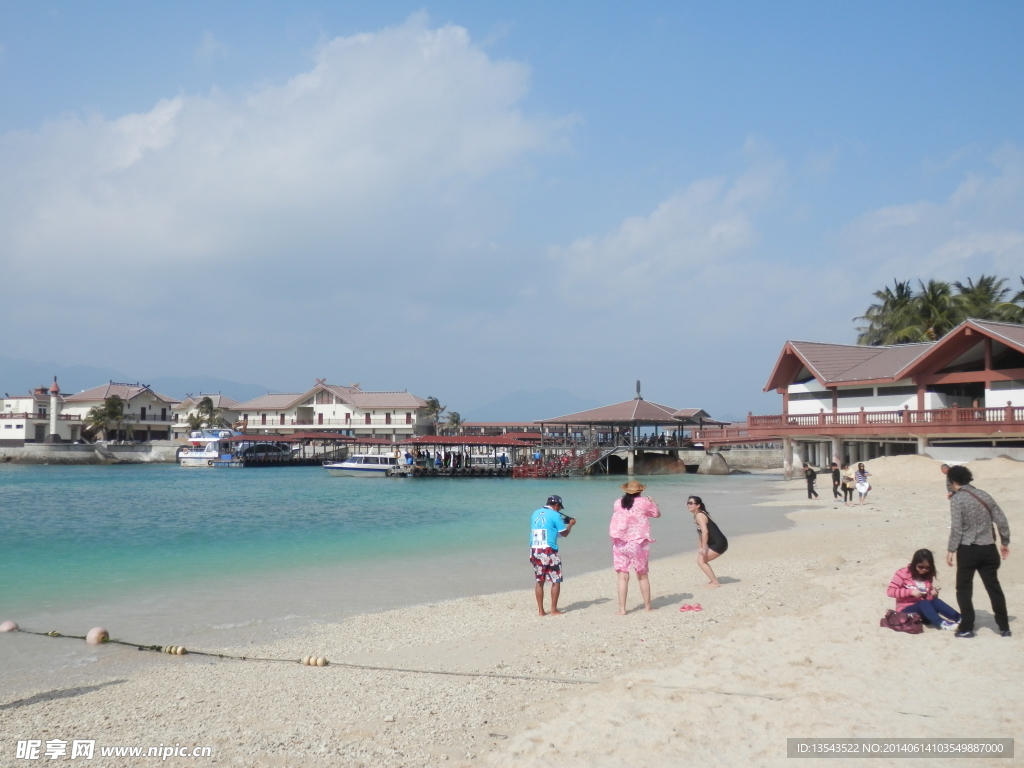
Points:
(148, 414)
(37, 418)
(188, 407)
(334, 408)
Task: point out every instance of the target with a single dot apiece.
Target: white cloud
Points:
(696, 232)
(387, 132)
(979, 227)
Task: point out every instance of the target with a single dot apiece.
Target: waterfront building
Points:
(147, 414)
(226, 407)
(37, 418)
(334, 408)
(957, 398)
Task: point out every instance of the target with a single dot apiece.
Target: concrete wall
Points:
(740, 458)
(954, 455)
(64, 453)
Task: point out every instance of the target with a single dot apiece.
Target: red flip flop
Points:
(696, 607)
(686, 607)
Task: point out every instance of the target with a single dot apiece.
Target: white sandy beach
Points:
(789, 646)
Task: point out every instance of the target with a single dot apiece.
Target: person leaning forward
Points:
(972, 513)
(546, 525)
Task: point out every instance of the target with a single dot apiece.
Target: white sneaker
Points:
(949, 624)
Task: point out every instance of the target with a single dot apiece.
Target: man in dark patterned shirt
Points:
(970, 536)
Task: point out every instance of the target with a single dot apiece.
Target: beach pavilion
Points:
(616, 428)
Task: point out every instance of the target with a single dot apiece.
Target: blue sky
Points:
(469, 199)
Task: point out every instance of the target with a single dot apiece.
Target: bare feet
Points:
(648, 608)
(542, 613)
(554, 612)
(620, 612)
(712, 584)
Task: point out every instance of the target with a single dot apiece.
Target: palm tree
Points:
(454, 423)
(209, 416)
(109, 415)
(1012, 311)
(983, 299)
(434, 409)
(888, 320)
(937, 309)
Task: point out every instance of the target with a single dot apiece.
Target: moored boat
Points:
(361, 465)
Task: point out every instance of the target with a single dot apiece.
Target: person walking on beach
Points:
(546, 525)
(712, 541)
(860, 480)
(848, 485)
(810, 476)
(973, 513)
(914, 592)
(836, 480)
(630, 531)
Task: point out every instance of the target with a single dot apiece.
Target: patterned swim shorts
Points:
(630, 554)
(547, 566)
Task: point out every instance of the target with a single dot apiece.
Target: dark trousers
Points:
(847, 494)
(811, 493)
(934, 611)
(983, 558)
(835, 490)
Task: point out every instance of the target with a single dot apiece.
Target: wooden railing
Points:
(40, 416)
(759, 426)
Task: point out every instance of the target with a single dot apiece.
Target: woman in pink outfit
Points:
(631, 539)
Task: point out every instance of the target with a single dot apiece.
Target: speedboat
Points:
(209, 448)
(361, 465)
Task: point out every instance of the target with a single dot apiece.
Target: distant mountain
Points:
(530, 406)
(19, 376)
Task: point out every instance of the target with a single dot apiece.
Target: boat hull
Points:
(356, 471)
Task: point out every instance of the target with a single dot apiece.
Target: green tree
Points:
(888, 319)
(454, 423)
(434, 409)
(209, 416)
(109, 417)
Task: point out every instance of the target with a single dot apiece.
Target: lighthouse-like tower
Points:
(54, 437)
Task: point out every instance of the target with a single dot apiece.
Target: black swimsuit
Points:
(717, 542)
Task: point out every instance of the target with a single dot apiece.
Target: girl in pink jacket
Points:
(912, 588)
(630, 531)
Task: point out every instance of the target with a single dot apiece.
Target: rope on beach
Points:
(313, 661)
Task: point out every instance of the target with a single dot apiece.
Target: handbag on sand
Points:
(902, 622)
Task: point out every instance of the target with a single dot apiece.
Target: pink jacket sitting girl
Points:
(914, 593)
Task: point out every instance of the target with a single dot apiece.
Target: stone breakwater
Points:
(157, 452)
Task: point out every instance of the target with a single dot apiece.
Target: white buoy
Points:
(181, 650)
(321, 662)
(97, 636)
(9, 626)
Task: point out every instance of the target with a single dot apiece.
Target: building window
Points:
(163, 414)
(408, 418)
(142, 413)
(367, 418)
(348, 418)
(387, 418)
(908, 390)
(324, 398)
(319, 418)
(282, 419)
(263, 418)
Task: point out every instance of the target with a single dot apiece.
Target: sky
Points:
(469, 199)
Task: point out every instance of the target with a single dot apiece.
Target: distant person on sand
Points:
(836, 481)
(973, 513)
(712, 541)
(848, 485)
(810, 476)
(860, 481)
(914, 593)
(630, 530)
(546, 525)
(944, 469)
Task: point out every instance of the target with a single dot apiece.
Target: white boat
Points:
(361, 465)
(209, 448)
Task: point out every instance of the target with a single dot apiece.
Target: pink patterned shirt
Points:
(633, 524)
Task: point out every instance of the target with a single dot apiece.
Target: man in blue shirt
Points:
(546, 525)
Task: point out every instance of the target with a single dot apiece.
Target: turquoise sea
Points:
(158, 553)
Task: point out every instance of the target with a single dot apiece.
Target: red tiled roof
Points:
(628, 412)
(124, 391)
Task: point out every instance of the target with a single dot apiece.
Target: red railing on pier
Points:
(984, 420)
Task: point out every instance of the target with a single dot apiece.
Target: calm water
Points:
(158, 554)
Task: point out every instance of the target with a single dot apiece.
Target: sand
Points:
(789, 647)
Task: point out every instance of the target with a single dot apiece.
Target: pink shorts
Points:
(630, 554)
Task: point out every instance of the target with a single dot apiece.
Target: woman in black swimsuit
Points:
(712, 541)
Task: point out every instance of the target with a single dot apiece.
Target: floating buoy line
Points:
(100, 636)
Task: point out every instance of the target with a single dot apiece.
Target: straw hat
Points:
(633, 487)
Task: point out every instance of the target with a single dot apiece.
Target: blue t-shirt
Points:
(545, 525)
